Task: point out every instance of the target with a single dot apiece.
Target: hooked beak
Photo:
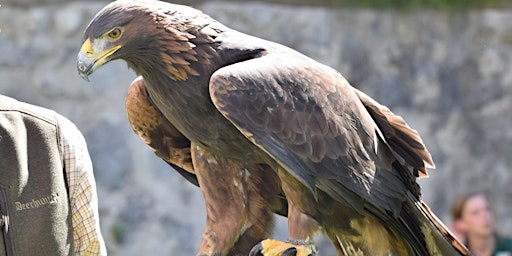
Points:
(89, 58)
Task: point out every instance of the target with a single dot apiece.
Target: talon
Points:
(256, 250)
(292, 251)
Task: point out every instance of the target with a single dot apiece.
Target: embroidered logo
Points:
(36, 203)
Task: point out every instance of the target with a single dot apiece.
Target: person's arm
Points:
(82, 191)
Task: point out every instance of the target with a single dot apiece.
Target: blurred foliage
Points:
(118, 232)
(452, 5)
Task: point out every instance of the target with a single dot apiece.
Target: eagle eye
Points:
(114, 34)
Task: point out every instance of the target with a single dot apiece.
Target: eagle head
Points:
(148, 35)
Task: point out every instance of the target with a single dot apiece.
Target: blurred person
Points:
(474, 223)
(48, 201)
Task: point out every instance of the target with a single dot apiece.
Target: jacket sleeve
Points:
(82, 190)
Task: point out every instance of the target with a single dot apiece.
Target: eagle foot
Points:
(270, 247)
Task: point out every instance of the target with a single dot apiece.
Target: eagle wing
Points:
(157, 132)
(334, 138)
(313, 123)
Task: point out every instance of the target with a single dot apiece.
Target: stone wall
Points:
(448, 74)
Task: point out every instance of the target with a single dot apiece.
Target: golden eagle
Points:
(257, 123)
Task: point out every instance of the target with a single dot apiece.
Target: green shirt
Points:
(503, 246)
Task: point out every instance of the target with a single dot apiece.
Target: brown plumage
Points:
(263, 120)
(171, 146)
(160, 135)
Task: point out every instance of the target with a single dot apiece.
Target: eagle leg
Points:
(225, 212)
(301, 224)
(240, 199)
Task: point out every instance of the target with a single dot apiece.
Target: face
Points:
(476, 219)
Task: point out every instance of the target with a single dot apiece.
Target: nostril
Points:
(81, 67)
